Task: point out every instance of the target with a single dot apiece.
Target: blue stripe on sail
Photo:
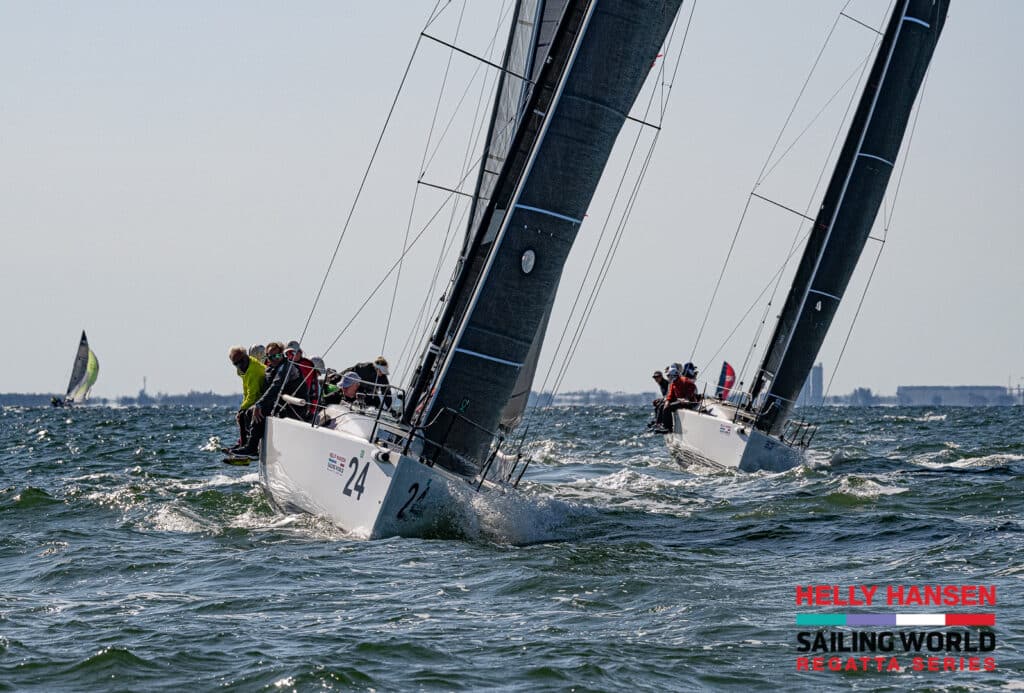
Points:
(489, 358)
(822, 293)
(878, 158)
(549, 213)
(915, 20)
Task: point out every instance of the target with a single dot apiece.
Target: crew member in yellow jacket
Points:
(252, 373)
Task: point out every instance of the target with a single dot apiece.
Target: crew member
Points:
(281, 376)
(252, 373)
(682, 394)
(374, 387)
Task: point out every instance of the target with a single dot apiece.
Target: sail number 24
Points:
(356, 473)
(360, 482)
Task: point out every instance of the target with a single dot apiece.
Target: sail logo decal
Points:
(724, 428)
(336, 463)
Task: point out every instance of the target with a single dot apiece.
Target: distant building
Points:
(590, 397)
(813, 392)
(953, 396)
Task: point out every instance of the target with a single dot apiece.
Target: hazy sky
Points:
(175, 177)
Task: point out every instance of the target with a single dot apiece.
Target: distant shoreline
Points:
(923, 396)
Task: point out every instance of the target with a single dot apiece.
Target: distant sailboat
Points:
(757, 433)
(84, 372)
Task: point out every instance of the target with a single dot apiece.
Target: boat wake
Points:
(521, 518)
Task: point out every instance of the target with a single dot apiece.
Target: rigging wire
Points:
(359, 192)
(383, 280)
(585, 314)
(885, 234)
(769, 166)
(798, 242)
(624, 218)
(606, 267)
(451, 194)
(416, 238)
(362, 184)
(859, 69)
(468, 165)
(810, 74)
(766, 171)
(772, 280)
(480, 64)
(416, 189)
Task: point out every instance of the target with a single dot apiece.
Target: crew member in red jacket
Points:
(682, 394)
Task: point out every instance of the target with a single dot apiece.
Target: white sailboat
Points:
(755, 431)
(84, 372)
(571, 73)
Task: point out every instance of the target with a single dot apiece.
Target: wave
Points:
(863, 487)
(942, 461)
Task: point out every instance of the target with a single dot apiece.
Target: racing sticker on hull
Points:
(336, 463)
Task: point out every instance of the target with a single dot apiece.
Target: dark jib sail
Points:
(78, 369)
(849, 208)
(599, 58)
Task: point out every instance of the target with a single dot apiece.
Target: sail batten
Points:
(849, 207)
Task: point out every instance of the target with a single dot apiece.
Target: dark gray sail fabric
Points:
(852, 199)
(503, 320)
(78, 369)
(512, 414)
(532, 33)
(529, 40)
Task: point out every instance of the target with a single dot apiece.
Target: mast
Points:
(598, 60)
(849, 207)
(530, 36)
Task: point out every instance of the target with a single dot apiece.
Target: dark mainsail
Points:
(595, 63)
(84, 372)
(533, 27)
(78, 368)
(849, 208)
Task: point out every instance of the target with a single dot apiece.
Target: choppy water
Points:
(132, 559)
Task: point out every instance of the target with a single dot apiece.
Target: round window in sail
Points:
(526, 262)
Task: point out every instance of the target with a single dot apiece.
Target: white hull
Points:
(361, 487)
(713, 438)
